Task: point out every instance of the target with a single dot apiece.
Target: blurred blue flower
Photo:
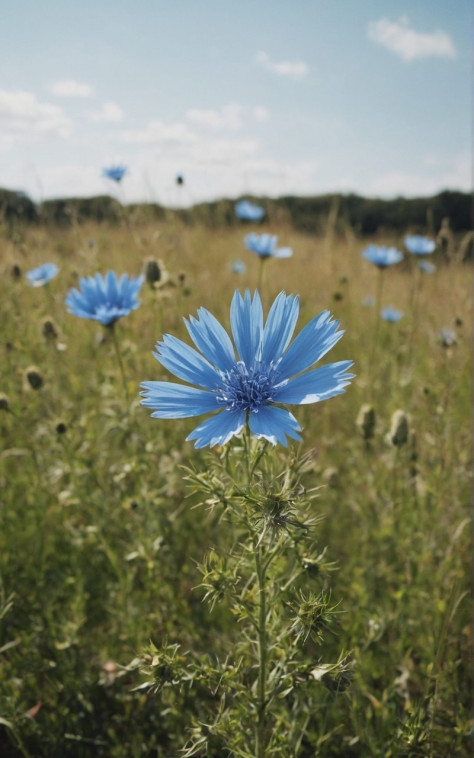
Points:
(382, 256)
(419, 245)
(265, 245)
(41, 275)
(238, 267)
(448, 337)
(247, 211)
(104, 299)
(391, 314)
(427, 267)
(249, 388)
(116, 173)
(368, 301)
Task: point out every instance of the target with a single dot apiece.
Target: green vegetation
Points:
(100, 540)
(306, 214)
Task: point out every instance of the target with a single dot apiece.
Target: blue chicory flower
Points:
(391, 314)
(238, 267)
(247, 211)
(116, 173)
(267, 373)
(265, 245)
(382, 256)
(416, 244)
(427, 267)
(41, 275)
(104, 299)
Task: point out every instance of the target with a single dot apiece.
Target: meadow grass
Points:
(99, 540)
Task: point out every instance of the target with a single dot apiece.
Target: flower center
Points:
(245, 389)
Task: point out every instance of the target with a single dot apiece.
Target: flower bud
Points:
(4, 403)
(399, 430)
(34, 377)
(15, 271)
(152, 271)
(365, 421)
(61, 428)
(49, 329)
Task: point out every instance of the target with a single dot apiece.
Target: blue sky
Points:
(261, 96)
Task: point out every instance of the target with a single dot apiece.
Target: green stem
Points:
(111, 328)
(262, 656)
(260, 276)
(378, 302)
(416, 289)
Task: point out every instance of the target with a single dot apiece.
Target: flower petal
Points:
(185, 362)
(310, 345)
(218, 429)
(316, 385)
(279, 326)
(273, 424)
(170, 400)
(246, 319)
(282, 252)
(211, 339)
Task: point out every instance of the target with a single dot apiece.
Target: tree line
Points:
(334, 213)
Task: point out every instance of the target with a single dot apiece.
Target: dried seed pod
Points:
(34, 377)
(49, 329)
(61, 428)
(152, 270)
(365, 421)
(399, 429)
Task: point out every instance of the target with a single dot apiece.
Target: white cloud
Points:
(260, 114)
(71, 88)
(161, 135)
(292, 69)
(110, 113)
(228, 117)
(409, 44)
(23, 118)
(183, 144)
(450, 172)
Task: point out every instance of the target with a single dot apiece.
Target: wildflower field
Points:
(242, 598)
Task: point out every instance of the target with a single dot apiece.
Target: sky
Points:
(259, 97)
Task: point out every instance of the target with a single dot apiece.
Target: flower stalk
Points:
(260, 746)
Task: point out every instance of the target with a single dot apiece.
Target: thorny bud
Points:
(4, 403)
(34, 377)
(365, 421)
(399, 430)
(49, 329)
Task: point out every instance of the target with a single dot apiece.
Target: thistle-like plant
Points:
(262, 689)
